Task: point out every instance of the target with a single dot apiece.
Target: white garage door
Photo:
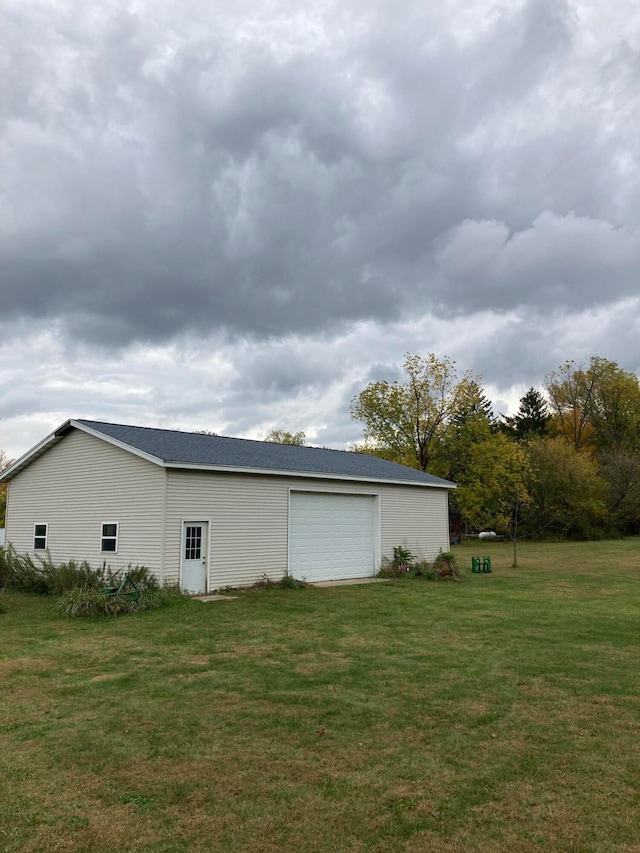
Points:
(331, 536)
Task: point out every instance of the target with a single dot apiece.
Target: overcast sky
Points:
(232, 216)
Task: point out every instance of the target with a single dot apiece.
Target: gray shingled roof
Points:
(217, 451)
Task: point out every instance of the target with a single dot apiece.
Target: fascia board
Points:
(34, 452)
(57, 435)
(314, 475)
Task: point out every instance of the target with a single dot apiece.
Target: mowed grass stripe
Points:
(501, 713)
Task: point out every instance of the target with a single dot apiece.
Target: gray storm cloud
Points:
(233, 216)
(163, 174)
(559, 263)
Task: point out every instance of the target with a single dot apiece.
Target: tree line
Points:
(567, 464)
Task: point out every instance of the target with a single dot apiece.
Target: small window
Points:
(193, 543)
(109, 541)
(39, 537)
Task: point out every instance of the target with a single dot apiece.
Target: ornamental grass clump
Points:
(91, 603)
(40, 575)
(4, 570)
(160, 596)
(44, 577)
(83, 590)
(71, 575)
(22, 573)
(84, 603)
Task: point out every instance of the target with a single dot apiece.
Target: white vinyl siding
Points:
(247, 530)
(416, 519)
(248, 517)
(78, 485)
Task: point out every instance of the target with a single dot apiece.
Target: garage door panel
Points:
(331, 536)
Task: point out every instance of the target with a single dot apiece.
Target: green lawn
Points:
(500, 713)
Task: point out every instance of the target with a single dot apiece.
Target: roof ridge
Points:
(217, 435)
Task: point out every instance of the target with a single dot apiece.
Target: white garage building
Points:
(209, 511)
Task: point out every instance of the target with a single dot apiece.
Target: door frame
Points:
(206, 539)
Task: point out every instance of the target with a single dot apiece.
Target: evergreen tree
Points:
(476, 409)
(532, 418)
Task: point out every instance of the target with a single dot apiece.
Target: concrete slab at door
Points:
(193, 567)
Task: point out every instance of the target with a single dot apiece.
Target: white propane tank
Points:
(488, 534)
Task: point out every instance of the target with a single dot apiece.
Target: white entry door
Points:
(193, 568)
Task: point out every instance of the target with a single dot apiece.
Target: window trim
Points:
(109, 538)
(36, 536)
